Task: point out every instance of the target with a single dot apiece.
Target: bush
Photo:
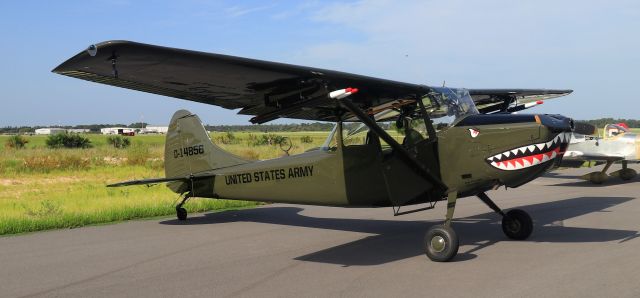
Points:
(64, 140)
(227, 139)
(306, 139)
(268, 139)
(16, 142)
(118, 141)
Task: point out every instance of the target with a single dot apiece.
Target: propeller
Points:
(584, 128)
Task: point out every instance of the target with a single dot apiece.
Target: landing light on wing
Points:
(342, 93)
(533, 104)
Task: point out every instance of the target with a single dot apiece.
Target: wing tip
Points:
(92, 50)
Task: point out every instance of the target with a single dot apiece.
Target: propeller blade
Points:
(584, 128)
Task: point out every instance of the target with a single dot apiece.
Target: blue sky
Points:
(589, 46)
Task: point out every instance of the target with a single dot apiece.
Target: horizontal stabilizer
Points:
(161, 180)
(147, 181)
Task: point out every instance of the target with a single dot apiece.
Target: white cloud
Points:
(237, 11)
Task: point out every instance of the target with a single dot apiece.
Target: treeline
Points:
(316, 126)
(90, 127)
(600, 123)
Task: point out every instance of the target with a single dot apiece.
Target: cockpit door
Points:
(402, 184)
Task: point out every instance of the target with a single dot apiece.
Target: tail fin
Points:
(189, 149)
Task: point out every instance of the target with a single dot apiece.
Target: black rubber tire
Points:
(628, 174)
(598, 177)
(517, 224)
(181, 213)
(448, 237)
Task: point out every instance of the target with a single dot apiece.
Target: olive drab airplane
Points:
(617, 144)
(457, 143)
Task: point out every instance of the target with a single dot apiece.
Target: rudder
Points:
(189, 149)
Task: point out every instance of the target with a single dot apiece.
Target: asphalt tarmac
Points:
(585, 243)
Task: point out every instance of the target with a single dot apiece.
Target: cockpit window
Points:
(447, 106)
(612, 130)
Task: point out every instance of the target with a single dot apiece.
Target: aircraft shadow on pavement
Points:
(396, 240)
(560, 175)
(609, 182)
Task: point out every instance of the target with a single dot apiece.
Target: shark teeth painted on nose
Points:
(528, 155)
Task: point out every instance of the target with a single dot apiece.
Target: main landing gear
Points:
(441, 242)
(625, 173)
(600, 177)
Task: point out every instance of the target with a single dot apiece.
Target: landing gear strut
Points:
(516, 224)
(441, 241)
(180, 211)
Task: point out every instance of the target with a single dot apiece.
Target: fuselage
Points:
(477, 154)
(625, 146)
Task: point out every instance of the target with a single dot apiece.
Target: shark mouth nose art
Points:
(529, 155)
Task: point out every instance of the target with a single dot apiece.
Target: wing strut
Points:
(404, 155)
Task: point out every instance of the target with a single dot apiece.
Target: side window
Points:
(355, 134)
(415, 131)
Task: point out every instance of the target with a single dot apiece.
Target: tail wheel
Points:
(517, 224)
(182, 213)
(441, 243)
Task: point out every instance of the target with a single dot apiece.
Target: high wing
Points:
(263, 89)
(511, 100)
(266, 90)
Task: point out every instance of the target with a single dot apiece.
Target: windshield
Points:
(448, 105)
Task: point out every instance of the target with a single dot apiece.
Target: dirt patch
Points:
(114, 161)
(8, 182)
(23, 181)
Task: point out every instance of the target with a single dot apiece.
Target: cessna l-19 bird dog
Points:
(470, 153)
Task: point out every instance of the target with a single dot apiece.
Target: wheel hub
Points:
(438, 244)
(513, 225)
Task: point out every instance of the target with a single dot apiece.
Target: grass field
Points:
(43, 188)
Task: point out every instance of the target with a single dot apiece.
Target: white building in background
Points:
(50, 131)
(155, 129)
(116, 130)
(78, 130)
